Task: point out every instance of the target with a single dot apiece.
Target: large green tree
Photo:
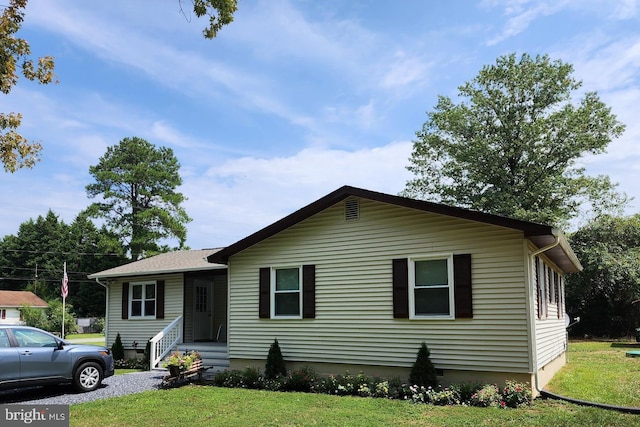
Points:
(15, 150)
(603, 292)
(137, 183)
(512, 144)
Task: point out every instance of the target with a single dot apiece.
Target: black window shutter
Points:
(462, 286)
(309, 291)
(400, 288)
(160, 299)
(264, 309)
(125, 300)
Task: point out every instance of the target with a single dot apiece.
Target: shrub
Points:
(446, 396)
(117, 348)
(275, 366)
(487, 396)
(438, 396)
(423, 373)
(131, 364)
(346, 384)
(230, 379)
(307, 380)
(467, 389)
(252, 378)
(146, 356)
(98, 325)
(516, 394)
(380, 388)
(398, 389)
(303, 379)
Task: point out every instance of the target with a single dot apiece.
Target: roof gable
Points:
(539, 234)
(20, 298)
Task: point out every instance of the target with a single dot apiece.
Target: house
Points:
(173, 298)
(357, 280)
(11, 301)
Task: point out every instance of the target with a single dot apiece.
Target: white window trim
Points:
(412, 286)
(272, 291)
(134, 284)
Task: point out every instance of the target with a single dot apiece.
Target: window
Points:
(34, 338)
(143, 300)
(431, 287)
(286, 292)
(4, 339)
(549, 291)
(434, 287)
(3, 314)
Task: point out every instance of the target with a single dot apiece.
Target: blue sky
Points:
(292, 100)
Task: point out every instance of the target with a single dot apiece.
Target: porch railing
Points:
(164, 341)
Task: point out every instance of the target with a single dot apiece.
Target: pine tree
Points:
(117, 349)
(275, 366)
(423, 373)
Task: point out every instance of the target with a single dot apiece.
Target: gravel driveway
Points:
(117, 385)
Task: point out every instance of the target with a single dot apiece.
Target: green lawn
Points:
(211, 406)
(86, 338)
(599, 372)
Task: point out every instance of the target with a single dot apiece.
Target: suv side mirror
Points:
(60, 345)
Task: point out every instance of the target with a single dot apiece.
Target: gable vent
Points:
(351, 210)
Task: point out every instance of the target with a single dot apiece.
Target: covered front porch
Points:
(202, 326)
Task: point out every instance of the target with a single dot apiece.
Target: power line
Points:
(27, 279)
(40, 270)
(58, 253)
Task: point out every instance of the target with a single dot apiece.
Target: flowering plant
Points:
(182, 360)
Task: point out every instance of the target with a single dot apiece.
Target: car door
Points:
(9, 360)
(40, 356)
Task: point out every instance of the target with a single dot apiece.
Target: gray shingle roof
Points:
(170, 262)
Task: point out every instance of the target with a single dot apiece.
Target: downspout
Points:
(556, 242)
(106, 313)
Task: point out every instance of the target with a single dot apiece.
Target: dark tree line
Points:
(603, 293)
(33, 260)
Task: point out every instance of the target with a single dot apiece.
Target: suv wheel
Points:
(88, 377)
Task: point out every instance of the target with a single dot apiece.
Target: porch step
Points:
(212, 354)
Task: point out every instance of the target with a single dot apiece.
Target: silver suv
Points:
(30, 356)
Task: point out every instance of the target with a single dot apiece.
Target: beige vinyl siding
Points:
(188, 314)
(141, 330)
(354, 315)
(551, 336)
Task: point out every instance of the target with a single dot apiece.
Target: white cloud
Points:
(625, 9)
(521, 13)
(243, 195)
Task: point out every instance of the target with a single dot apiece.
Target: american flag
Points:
(65, 283)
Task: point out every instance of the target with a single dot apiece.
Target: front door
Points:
(202, 310)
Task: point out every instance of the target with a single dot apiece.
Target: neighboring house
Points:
(357, 280)
(11, 301)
